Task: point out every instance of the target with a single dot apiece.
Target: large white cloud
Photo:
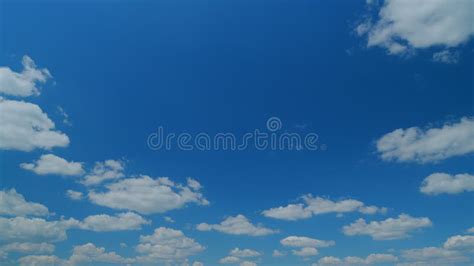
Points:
(21, 229)
(459, 242)
(405, 25)
(147, 195)
(167, 245)
(24, 83)
(316, 206)
(50, 164)
(431, 145)
(103, 171)
(26, 248)
(14, 204)
(389, 229)
(237, 225)
(26, 127)
(439, 183)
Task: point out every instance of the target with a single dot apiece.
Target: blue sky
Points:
(388, 91)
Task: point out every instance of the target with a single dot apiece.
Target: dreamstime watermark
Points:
(270, 139)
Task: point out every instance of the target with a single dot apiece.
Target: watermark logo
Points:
(273, 138)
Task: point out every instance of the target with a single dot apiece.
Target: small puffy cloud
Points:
(431, 145)
(167, 244)
(316, 206)
(244, 253)
(24, 83)
(237, 225)
(248, 263)
(25, 127)
(103, 171)
(147, 195)
(14, 204)
(50, 164)
(389, 229)
(404, 25)
(447, 57)
(229, 260)
(303, 241)
(305, 252)
(198, 263)
(372, 259)
(459, 242)
(276, 253)
(119, 222)
(74, 195)
(471, 230)
(439, 183)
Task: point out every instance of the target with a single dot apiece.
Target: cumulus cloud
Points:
(25, 127)
(248, 263)
(447, 57)
(303, 241)
(167, 244)
(237, 225)
(50, 164)
(24, 83)
(431, 145)
(14, 204)
(316, 206)
(432, 256)
(459, 242)
(26, 248)
(389, 229)
(119, 222)
(236, 254)
(229, 260)
(305, 252)
(439, 183)
(147, 195)
(83, 254)
(107, 170)
(405, 25)
(277, 253)
(74, 195)
(369, 260)
(21, 229)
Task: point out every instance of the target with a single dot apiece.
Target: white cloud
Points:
(404, 25)
(433, 256)
(306, 252)
(248, 263)
(147, 195)
(25, 127)
(431, 145)
(276, 253)
(447, 57)
(316, 206)
(83, 254)
(237, 225)
(369, 260)
(229, 260)
(471, 230)
(40, 260)
(303, 241)
(439, 183)
(50, 164)
(89, 253)
(26, 248)
(168, 219)
(119, 222)
(24, 83)
(244, 253)
(198, 263)
(389, 229)
(14, 204)
(74, 195)
(167, 244)
(21, 229)
(103, 171)
(459, 242)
